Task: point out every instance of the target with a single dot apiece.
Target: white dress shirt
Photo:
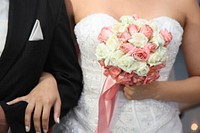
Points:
(4, 9)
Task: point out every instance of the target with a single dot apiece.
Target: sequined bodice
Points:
(148, 114)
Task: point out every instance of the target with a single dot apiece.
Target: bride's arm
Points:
(187, 90)
(187, 106)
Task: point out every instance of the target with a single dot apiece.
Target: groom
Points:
(35, 37)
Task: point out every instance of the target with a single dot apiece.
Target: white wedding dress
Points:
(130, 116)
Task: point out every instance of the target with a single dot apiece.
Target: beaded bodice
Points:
(148, 114)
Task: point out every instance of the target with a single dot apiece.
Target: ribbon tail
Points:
(106, 105)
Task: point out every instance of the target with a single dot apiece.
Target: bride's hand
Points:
(40, 101)
(141, 92)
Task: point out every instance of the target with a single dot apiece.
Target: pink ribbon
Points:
(106, 105)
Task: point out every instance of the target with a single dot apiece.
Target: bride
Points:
(145, 108)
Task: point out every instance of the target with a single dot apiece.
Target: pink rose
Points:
(152, 75)
(101, 62)
(135, 16)
(158, 67)
(138, 80)
(151, 46)
(105, 33)
(141, 54)
(167, 36)
(125, 36)
(124, 78)
(127, 48)
(106, 72)
(123, 48)
(147, 31)
(129, 75)
(114, 71)
(133, 29)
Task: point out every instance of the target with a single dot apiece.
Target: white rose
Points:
(158, 57)
(143, 69)
(112, 43)
(154, 25)
(126, 20)
(102, 51)
(119, 27)
(138, 40)
(157, 39)
(114, 57)
(127, 63)
(141, 22)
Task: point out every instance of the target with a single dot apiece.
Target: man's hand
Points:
(3, 123)
(40, 101)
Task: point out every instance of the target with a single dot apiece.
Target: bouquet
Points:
(132, 52)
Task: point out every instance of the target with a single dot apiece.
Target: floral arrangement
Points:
(133, 50)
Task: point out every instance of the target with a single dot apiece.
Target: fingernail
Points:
(45, 131)
(58, 120)
(27, 128)
(8, 103)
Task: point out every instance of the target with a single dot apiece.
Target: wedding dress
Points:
(130, 116)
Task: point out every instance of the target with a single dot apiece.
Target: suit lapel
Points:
(20, 22)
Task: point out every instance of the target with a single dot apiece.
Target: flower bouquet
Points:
(132, 52)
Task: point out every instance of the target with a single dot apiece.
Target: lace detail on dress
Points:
(144, 116)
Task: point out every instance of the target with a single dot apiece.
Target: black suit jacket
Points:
(23, 61)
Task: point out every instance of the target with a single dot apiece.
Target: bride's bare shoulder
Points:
(184, 9)
(82, 8)
(191, 9)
